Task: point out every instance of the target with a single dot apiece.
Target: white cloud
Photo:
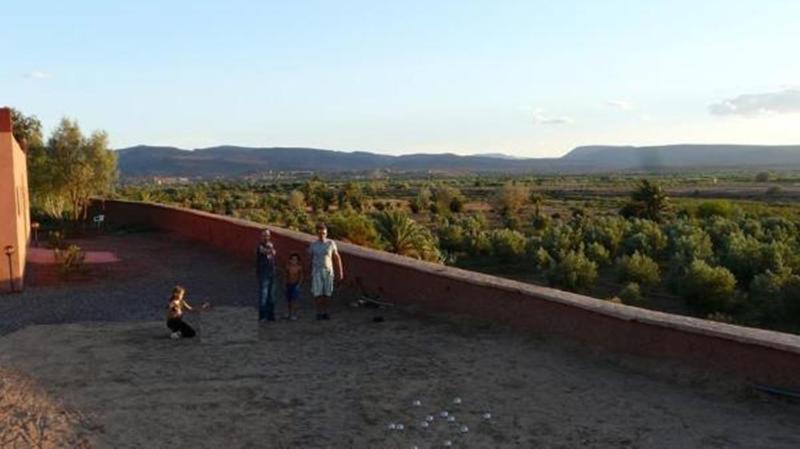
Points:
(786, 101)
(539, 118)
(38, 75)
(620, 104)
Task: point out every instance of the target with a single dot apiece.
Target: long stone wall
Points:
(753, 355)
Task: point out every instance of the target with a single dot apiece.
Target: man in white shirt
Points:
(323, 253)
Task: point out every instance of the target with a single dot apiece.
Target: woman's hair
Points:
(294, 256)
(177, 292)
(321, 225)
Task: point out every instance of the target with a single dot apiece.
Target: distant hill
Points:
(233, 161)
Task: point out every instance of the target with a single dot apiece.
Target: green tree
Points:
(350, 195)
(507, 244)
(80, 167)
(715, 208)
(598, 253)
(638, 268)
(709, 289)
(648, 201)
(404, 236)
(297, 200)
(353, 227)
(573, 271)
(762, 176)
(776, 295)
(511, 198)
(27, 129)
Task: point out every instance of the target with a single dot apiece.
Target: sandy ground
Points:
(91, 365)
(340, 384)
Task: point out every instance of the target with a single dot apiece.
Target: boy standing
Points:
(323, 252)
(294, 277)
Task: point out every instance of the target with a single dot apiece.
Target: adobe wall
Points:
(755, 355)
(14, 206)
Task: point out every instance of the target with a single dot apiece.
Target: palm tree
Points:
(404, 236)
(647, 201)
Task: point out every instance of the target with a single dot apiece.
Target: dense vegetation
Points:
(729, 260)
(68, 169)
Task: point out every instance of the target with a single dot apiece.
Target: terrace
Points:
(94, 357)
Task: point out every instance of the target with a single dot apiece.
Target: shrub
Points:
(646, 237)
(542, 259)
(715, 208)
(561, 238)
(762, 176)
(774, 190)
(776, 295)
(353, 227)
(609, 231)
(70, 260)
(598, 253)
(709, 289)
(297, 200)
(540, 222)
(745, 257)
(479, 244)
(638, 268)
(451, 237)
(631, 294)
(55, 240)
(507, 244)
(574, 271)
(511, 198)
(457, 204)
(687, 242)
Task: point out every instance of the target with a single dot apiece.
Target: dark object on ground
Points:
(370, 303)
(378, 319)
(777, 391)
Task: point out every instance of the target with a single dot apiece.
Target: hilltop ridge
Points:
(236, 161)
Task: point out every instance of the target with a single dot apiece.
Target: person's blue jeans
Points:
(266, 304)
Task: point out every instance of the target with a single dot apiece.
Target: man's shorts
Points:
(322, 282)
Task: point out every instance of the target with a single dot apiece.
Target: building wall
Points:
(14, 205)
(752, 355)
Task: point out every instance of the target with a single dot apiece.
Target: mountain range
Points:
(233, 161)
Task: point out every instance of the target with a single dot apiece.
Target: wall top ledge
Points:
(759, 337)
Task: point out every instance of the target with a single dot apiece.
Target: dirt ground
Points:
(341, 384)
(87, 382)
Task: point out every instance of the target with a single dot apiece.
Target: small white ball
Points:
(392, 426)
(451, 418)
(444, 413)
(457, 401)
(487, 416)
(464, 429)
(448, 443)
(429, 418)
(417, 403)
(424, 424)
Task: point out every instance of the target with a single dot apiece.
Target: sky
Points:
(526, 78)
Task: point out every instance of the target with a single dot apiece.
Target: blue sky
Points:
(528, 78)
